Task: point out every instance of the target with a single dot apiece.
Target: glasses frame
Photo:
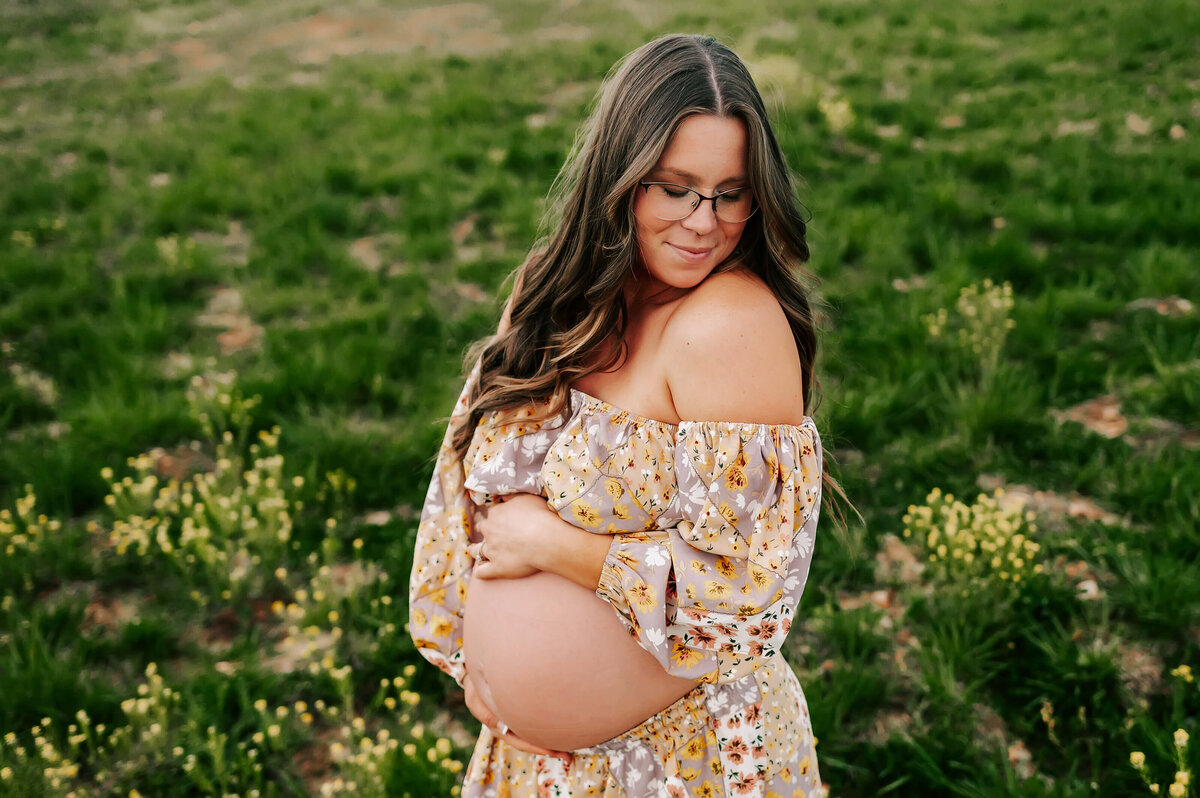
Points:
(645, 184)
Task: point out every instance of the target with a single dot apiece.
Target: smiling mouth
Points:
(693, 252)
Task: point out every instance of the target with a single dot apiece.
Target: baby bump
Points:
(557, 665)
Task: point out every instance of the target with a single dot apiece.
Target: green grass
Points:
(1022, 142)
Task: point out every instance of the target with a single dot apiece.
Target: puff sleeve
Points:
(437, 588)
(713, 599)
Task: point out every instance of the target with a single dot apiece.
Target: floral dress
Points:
(713, 527)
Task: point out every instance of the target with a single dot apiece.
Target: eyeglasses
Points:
(671, 202)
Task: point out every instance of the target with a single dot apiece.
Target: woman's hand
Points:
(514, 535)
(483, 713)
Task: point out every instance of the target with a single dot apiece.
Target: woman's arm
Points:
(523, 535)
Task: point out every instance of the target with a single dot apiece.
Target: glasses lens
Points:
(735, 206)
(672, 203)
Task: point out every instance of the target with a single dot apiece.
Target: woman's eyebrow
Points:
(689, 176)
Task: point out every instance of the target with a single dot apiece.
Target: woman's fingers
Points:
(476, 705)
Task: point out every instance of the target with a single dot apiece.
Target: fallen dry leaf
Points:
(1160, 432)
(895, 561)
(463, 228)
(1101, 415)
(111, 612)
(1141, 669)
(989, 726)
(180, 463)
(1084, 127)
(888, 724)
(471, 292)
(1049, 506)
(234, 244)
(1166, 306)
(1138, 125)
(365, 252)
(1021, 760)
(904, 286)
(224, 309)
(240, 338)
(292, 653)
(1177, 132)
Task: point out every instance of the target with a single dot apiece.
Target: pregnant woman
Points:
(623, 511)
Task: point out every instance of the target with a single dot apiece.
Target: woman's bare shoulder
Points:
(730, 354)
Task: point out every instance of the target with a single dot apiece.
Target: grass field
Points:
(244, 245)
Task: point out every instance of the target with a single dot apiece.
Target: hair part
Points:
(568, 303)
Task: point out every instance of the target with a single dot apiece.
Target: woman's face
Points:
(708, 154)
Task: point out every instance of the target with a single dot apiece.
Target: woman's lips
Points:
(691, 255)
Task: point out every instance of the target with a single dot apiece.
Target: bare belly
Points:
(556, 664)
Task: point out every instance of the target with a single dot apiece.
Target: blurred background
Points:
(244, 245)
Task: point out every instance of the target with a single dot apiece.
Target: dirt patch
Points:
(225, 311)
(1103, 416)
(1054, 509)
(229, 41)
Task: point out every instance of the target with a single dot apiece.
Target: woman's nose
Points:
(702, 219)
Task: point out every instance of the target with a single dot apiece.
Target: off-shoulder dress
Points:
(714, 526)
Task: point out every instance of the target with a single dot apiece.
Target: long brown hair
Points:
(568, 299)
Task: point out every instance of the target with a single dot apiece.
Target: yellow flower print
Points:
(442, 627)
(613, 488)
(418, 618)
(688, 774)
(585, 514)
(694, 749)
(438, 596)
(643, 595)
(726, 568)
(760, 576)
(727, 512)
(707, 790)
(805, 765)
(735, 475)
(461, 589)
(683, 656)
(627, 559)
(716, 590)
(621, 510)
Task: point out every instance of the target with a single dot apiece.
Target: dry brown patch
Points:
(1101, 415)
(896, 562)
(1051, 507)
(911, 284)
(888, 724)
(230, 40)
(225, 310)
(1084, 127)
(368, 251)
(181, 463)
(1174, 306)
(233, 245)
